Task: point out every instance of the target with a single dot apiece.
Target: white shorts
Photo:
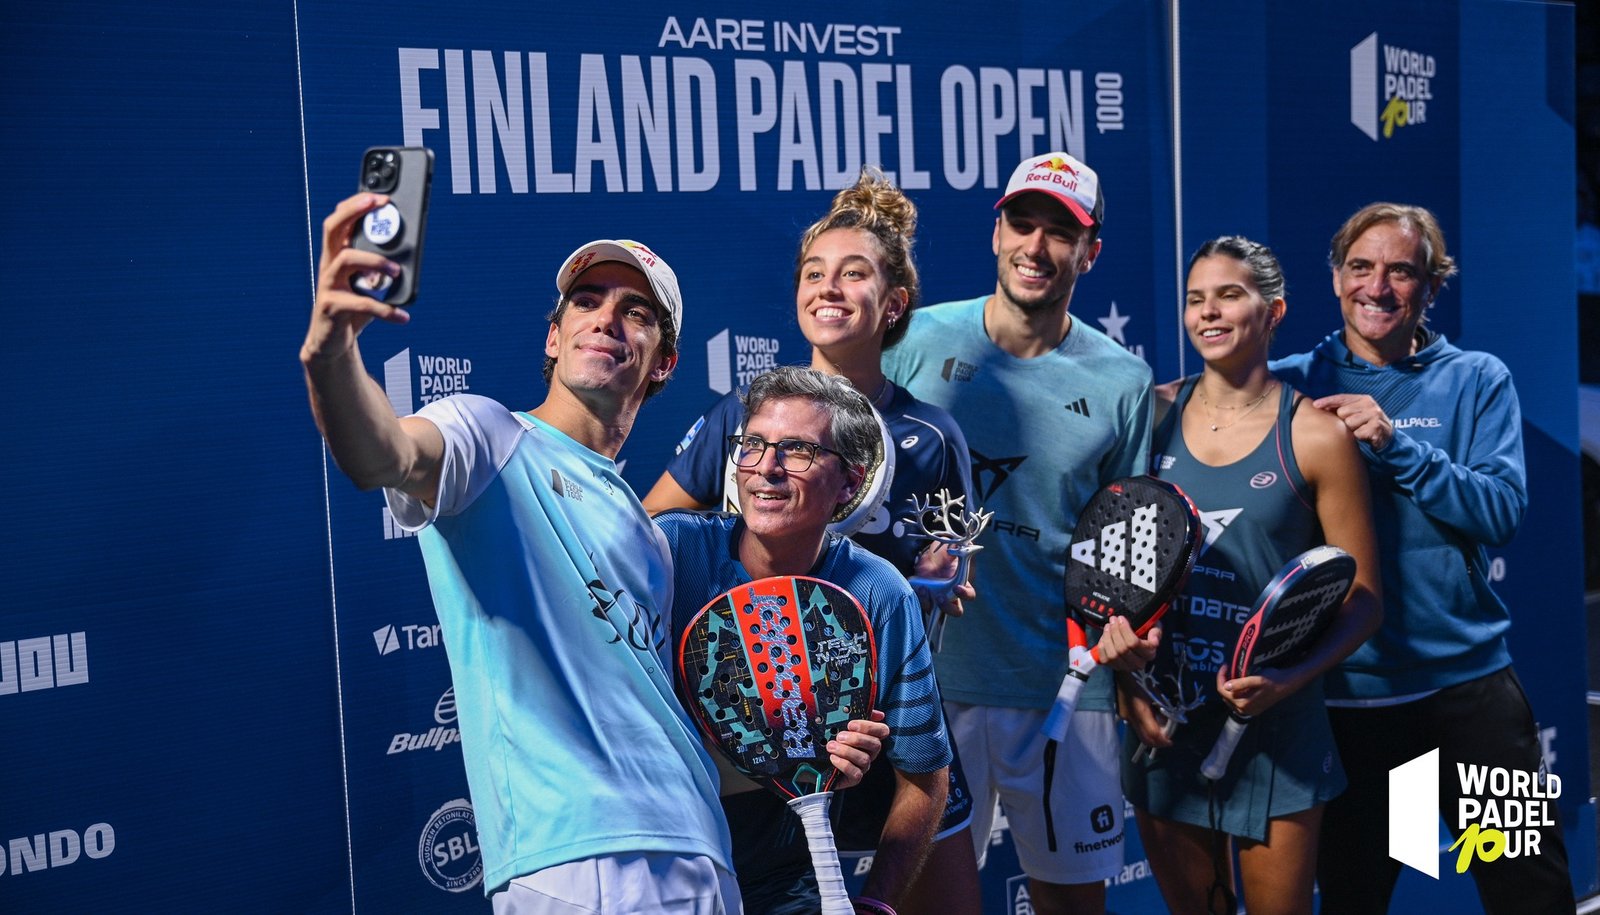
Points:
(624, 885)
(1002, 753)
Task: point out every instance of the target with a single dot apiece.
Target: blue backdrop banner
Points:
(220, 670)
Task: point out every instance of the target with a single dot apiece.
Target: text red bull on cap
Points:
(1066, 179)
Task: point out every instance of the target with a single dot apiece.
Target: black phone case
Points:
(410, 198)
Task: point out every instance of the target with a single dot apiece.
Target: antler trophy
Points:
(1174, 710)
(941, 519)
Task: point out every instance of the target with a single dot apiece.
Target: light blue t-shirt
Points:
(1045, 434)
(552, 589)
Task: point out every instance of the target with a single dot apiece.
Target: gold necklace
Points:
(1211, 417)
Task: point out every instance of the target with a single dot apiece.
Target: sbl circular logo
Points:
(1263, 479)
(448, 850)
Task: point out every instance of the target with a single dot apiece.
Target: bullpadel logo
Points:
(1498, 816)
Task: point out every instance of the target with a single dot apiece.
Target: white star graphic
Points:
(1216, 522)
(1113, 323)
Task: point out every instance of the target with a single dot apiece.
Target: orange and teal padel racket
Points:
(771, 670)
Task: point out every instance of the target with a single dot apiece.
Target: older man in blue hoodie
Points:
(1441, 432)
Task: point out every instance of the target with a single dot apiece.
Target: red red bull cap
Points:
(1064, 178)
(663, 282)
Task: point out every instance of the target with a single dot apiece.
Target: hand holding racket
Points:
(1294, 610)
(772, 669)
(1131, 553)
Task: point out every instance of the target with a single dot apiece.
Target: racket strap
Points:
(813, 812)
(866, 905)
(1220, 899)
(934, 622)
(1049, 778)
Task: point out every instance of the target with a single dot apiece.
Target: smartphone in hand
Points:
(395, 230)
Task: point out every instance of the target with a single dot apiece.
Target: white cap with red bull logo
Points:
(1064, 178)
(663, 282)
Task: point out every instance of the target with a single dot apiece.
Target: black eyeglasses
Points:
(794, 455)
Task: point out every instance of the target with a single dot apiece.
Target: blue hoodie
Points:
(1451, 482)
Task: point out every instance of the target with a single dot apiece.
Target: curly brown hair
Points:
(874, 205)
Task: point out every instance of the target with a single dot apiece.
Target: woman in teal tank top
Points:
(1271, 481)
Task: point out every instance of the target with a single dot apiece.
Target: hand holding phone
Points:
(394, 230)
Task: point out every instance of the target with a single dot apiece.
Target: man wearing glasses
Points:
(807, 443)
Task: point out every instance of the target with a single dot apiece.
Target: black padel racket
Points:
(1292, 613)
(1131, 553)
(772, 670)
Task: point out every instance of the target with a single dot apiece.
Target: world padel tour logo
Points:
(1391, 89)
(1498, 816)
(448, 850)
(734, 360)
(434, 377)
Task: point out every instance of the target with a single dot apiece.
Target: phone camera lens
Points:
(380, 171)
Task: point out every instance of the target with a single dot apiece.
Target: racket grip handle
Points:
(813, 812)
(1060, 717)
(1216, 764)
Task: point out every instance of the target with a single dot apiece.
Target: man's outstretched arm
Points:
(368, 442)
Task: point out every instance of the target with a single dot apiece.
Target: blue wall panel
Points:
(223, 661)
(166, 486)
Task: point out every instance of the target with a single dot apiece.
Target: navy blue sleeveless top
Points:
(1258, 514)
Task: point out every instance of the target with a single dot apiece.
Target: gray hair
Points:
(852, 425)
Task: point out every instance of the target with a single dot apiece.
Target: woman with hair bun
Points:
(855, 287)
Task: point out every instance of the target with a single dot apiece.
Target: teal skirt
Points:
(1285, 763)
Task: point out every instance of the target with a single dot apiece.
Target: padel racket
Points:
(1131, 553)
(1294, 610)
(772, 670)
